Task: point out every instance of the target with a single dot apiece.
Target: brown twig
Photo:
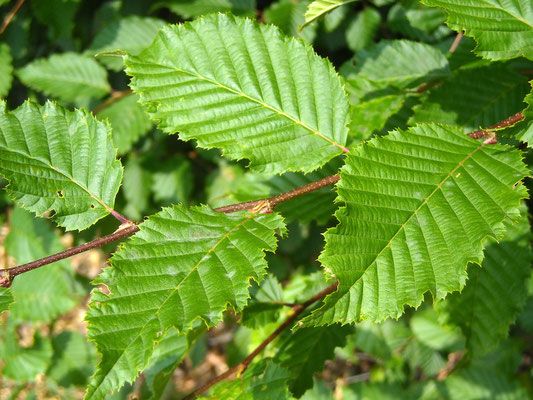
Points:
(10, 16)
(487, 132)
(456, 42)
(115, 96)
(239, 368)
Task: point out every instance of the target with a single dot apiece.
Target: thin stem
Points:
(456, 42)
(10, 16)
(7, 275)
(239, 368)
(483, 133)
(115, 96)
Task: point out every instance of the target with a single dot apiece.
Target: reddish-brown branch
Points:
(10, 16)
(483, 133)
(115, 96)
(239, 368)
(456, 42)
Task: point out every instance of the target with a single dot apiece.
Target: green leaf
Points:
(473, 98)
(264, 380)
(318, 8)
(131, 34)
(288, 15)
(6, 69)
(173, 182)
(128, 120)
(431, 332)
(495, 293)
(265, 306)
(524, 129)
(69, 77)
(362, 29)
(502, 29)
(6, 299)
(184, 264)
(417, 22)
(136, 189)
(380, 340)
(419, 204)
(235, 84)
(44, 293)
(58, 15)
(420, 355)
(305, 351)
(401, 63)
(196, 8)
(59, 160)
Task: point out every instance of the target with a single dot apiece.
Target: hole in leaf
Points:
(50, 213)
(92, 206)
(60, 194)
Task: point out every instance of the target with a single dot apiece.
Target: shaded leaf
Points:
(196, 8)
(59, 160)
(288, 15)
(6, 69)
(319, 8)
(58, 15)
(524, 129)
(6, 299)
(363, 28)
(184, 264)
(419, 204)
(247, 104)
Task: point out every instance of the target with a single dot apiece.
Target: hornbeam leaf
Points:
(232, 83)
(6, 299)
(184, 264)
(494, 294)
(502, 29)
(59, 160)
(319, 8)
(419, 204)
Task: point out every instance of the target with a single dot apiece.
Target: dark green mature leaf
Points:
(265, 306)
(131, 34)
(196, 8)
(524, 129)
(319, 8)
(44, 293)
(265, 380)
(288, 15)
(234, 84)
(6, 69)
(69, 77)
(419, 204)
(495, 293)
(304, 352)
(6, 299)
(502, 29)
(401, 63)
(474, 98)
(184, 264)
(128, 120)
(58, 15)
(136, 189)
(59, 160)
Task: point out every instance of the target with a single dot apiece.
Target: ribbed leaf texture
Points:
(305, 351)
(473, 98)
(131, 34)
(318, 8)
(495, 293)
(232, 83)
(184, 264)
(6, 299)
(59, 160)
(503, 29)
(6, 69)
(419, 204)
(68, 77)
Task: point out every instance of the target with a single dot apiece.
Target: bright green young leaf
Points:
(59, 160)
(57, 15)
(131, 34)
(44, 293)
(474, 98)
(419, 204)
(238, 85)
(495, 293)
(265, 380)
(318, 8)
(184, 264)
(304, 352)
(288, 15)
(69, 77)
(6, 69)
(128, 121)
(196, 8)
(6, 299)
(503, 29)
(362, 29)
(401, 63)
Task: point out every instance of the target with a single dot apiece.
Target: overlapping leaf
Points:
(419, 204)
(6, 69)
(524, 129)
(235, 84)
(6, 299)
(495, 293)
(318, 8)
(362, 29)
(57, 15)
(197, 8)
(502, 29)
(474, 98)
(288, 16)
(59, 160)
(184, 264)
(69, 77)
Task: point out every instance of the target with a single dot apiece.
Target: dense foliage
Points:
(380, 148)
